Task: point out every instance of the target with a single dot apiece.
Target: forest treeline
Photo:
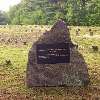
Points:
(75, 12)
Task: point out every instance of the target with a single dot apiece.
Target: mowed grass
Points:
(13, 75)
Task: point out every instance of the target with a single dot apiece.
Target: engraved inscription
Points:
(53, 53)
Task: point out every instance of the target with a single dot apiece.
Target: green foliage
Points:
(3, 18)
(75, 12)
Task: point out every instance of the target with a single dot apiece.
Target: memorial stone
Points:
(53, 62)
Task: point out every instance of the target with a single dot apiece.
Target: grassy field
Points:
(15, 42)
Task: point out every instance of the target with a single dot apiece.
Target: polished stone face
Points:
(48, 66)
(53, 53)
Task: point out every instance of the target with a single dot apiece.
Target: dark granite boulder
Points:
(74, 73)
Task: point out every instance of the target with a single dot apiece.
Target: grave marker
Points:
(52, 61)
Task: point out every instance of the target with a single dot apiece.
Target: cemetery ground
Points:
(15, 42)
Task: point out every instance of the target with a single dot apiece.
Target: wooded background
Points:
(46, 12)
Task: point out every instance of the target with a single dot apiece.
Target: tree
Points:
(3, 18)
(75, 12)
